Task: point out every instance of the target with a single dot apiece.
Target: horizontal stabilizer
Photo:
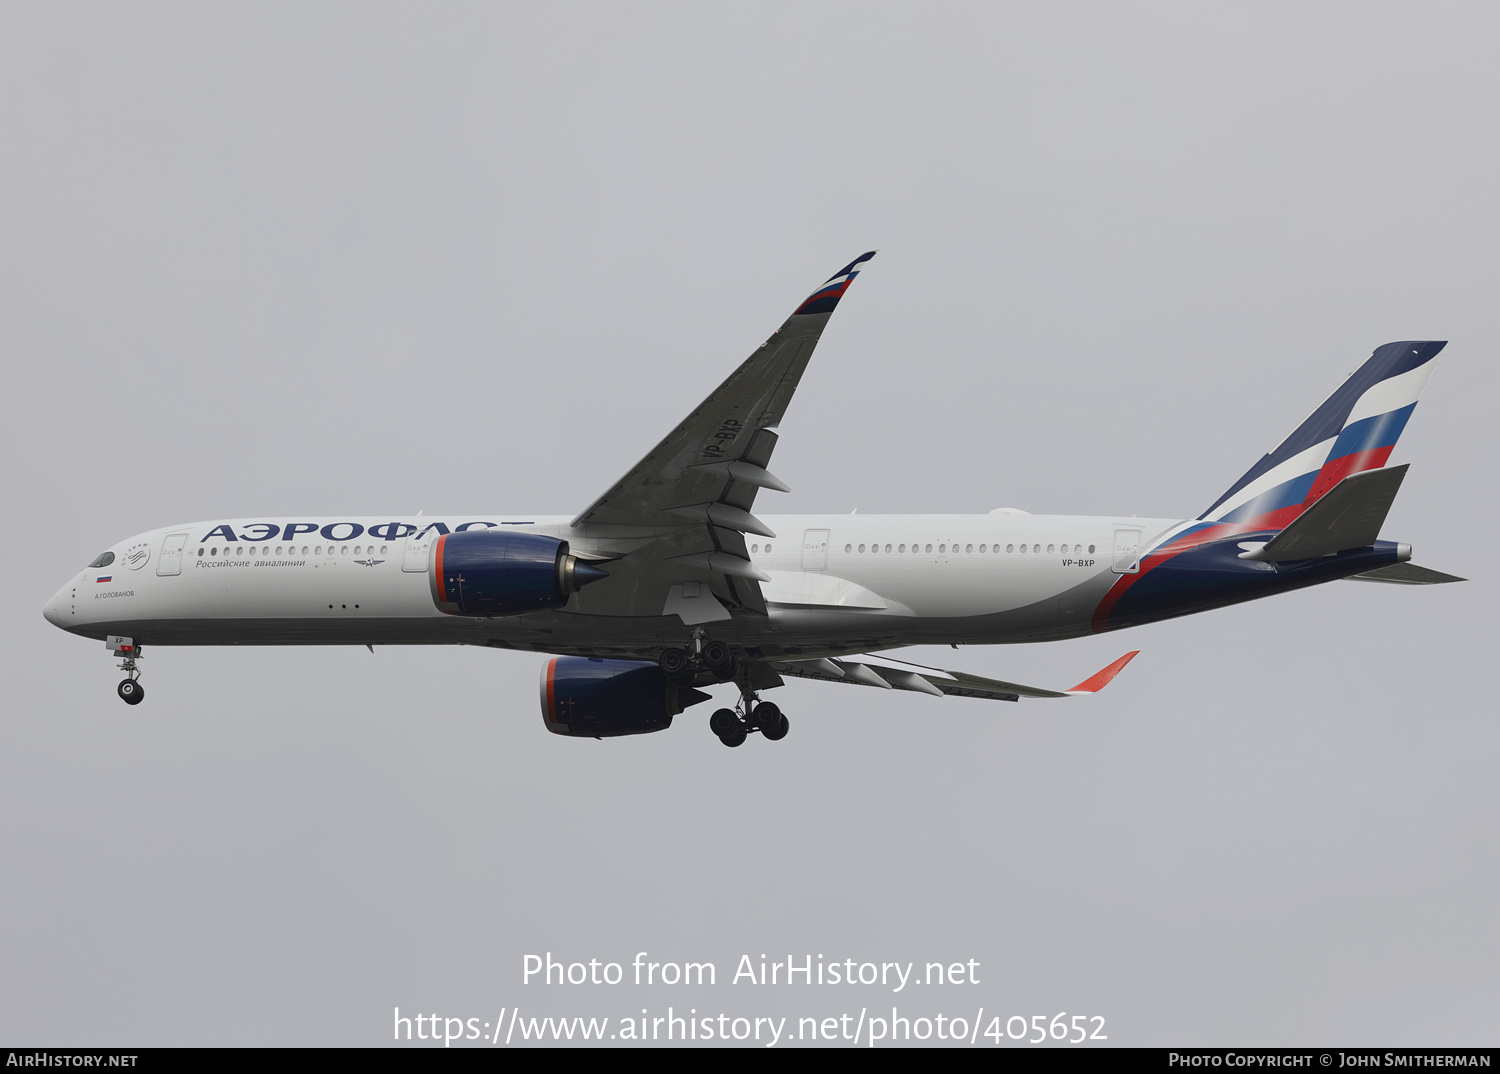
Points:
(1406, 574)
(1349, 515)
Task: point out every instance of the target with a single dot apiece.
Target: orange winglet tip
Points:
(1100, 679)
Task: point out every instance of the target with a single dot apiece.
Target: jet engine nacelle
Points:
(502, 572)
(586, 697)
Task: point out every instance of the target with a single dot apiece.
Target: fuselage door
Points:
(815, 550)
(171, 554)
(1127, 552)
(414, 556)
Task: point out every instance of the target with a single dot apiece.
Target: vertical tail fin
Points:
(1354, 430)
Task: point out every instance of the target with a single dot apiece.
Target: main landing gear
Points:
(683, 667)
(130, 689)
(733, 728)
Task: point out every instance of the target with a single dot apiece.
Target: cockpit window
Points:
(104, 560)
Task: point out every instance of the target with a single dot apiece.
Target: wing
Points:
(695, 489)
(936, 681)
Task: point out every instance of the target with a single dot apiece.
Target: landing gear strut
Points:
(734, 725)
(130, 689)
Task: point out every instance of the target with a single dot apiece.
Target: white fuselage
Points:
(838, 584)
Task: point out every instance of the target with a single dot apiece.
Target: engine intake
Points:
(586, 697)
(502, 572)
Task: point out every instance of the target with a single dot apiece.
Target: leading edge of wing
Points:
(938, 681)
(692, 466)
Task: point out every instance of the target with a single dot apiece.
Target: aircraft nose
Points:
(59, 610)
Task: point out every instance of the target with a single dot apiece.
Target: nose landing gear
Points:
(130, 689)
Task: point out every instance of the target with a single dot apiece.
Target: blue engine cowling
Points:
(586, 697)
(502, 572)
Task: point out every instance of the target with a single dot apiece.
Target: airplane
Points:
(667, 582)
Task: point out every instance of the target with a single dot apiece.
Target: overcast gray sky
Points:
(370, 258)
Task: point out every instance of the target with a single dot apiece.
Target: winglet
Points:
(826, 298)
(1100, 679)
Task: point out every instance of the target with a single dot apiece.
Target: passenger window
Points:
(318, 551)
(768, 549)
(1008, 548)
(200, 550)
(848, 548)
(1049, 549)
(929, 548)
(887, 548)
(1023, 550)
(968, 548)
(901, 548)
(382, 549)
(755, 548)
(861, 548)
(1091, 550)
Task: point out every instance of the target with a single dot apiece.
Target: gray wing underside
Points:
(693, 465)
(898, 675)
(888, 674)
(688, 502)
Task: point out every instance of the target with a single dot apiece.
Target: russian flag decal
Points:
(106, 578)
